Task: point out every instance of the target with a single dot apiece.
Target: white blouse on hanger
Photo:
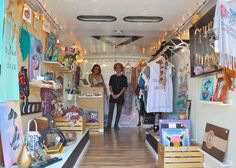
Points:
(159, 99)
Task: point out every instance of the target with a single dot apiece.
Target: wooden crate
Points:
(93, 128)
(64, 124)
(179, 157)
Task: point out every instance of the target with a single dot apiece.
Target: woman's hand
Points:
(116, 96)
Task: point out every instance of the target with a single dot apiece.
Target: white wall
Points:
(223, 116)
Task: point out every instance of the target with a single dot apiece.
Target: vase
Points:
(24, 159)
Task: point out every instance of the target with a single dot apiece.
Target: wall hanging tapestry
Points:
(24, 43)
(225, 29)
(9, 64)
(215, 141)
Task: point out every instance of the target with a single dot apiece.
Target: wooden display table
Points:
(92, 98)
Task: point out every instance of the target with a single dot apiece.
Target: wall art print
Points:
(175, 137)
(207, 89)
(27, 14)
(175, 124)
(11, 131)
(35, 61)
(220, 90)
(215, 141)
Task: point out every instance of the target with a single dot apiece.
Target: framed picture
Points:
(203, 58)
(220, 90)
(173, 124)
(207, 89)
(215, 141)
(27, 14)
(35, 61)
(36, 21)
(175, 137)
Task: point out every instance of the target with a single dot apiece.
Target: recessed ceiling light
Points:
(96, 18)
(143, 19)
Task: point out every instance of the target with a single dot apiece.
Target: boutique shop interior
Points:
(117, 83)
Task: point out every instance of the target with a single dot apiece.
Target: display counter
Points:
(72, 154)
(93, 98)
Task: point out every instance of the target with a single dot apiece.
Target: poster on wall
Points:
(35, 61)
(207, 89)
(27, 14)
(46, 26)
(11, 131)
(215, 141)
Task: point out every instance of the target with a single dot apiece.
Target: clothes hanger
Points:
(163, 59)
(127, 65)
(181, 45)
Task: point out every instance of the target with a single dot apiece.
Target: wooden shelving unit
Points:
(58, 67)
(40, 85)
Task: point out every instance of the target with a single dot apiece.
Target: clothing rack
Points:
(179, 29)
(162, 52)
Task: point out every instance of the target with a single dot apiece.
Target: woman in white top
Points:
(96, 78)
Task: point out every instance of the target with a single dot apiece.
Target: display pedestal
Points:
(151, 142)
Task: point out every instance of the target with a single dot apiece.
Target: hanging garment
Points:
(9, 87)
(128, 115)
(11, 131)
(77, 77)
(225, 30)
(159, 99)
(127, 107)
(46, 95)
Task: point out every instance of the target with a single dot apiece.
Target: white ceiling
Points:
(74, 31)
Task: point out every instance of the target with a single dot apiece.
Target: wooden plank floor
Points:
(118, 149)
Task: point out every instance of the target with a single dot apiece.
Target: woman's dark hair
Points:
(118, 64)
(96, 65)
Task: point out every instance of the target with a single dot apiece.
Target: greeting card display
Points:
(175, 137)
(207, 89)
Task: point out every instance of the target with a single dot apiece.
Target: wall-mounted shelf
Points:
(40, 85)
(226, 163)
(58, 67)
(88, 97)
(228, 103)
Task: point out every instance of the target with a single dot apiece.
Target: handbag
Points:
(33, 138)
